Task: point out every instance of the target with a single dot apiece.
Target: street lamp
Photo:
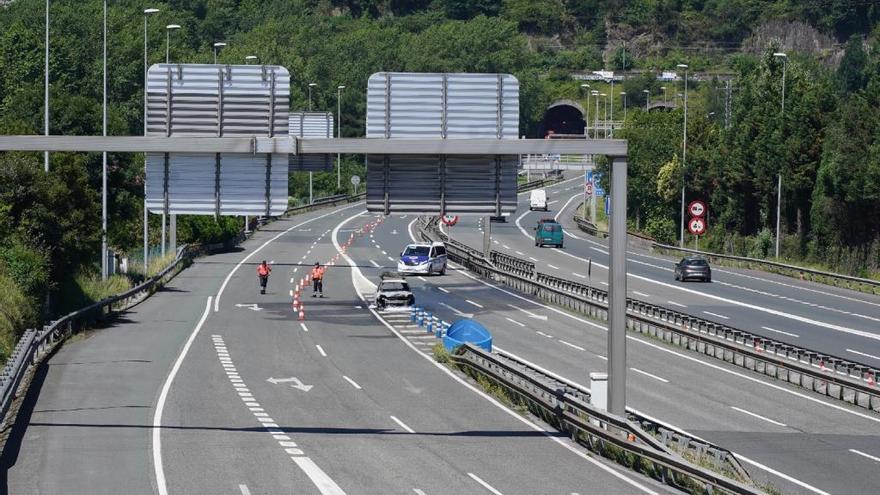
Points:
(784, 58)
(595, 94)
(168, 30)
(604, 115)
(147, 13)
(217, 46)
(46, 92)
(311, 85)
(623, 94)
(664, 94)
(647, 98)
(104, 158)
(250, 58)
(338, 135)
(684, 142)
(586, 86)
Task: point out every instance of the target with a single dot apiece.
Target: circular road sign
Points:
(449, 220)
(697, 208)
(697, 226)
(588, 188)
(355, 179)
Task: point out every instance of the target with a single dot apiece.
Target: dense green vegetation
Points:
(822, 145)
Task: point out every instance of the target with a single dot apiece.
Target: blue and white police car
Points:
(423, 258)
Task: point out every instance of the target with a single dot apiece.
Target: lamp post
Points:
(605, 114)
(586, 86)
(339, 135)
(595, 94)
(46, 92)
(784, 58)
(664, 94)
(611, 113)
(250, 58)
(684, 143)
(104, 260)
(311, 85)
(173, 226)
(147, 13)
(217, 46)
(647, 98)
(623, 94)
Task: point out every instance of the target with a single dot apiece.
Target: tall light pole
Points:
(586, 87)
(168, 29)
(311, 85)
(339, 135)
(217, 46)
(250, 58)
(596, 114)
(784, 58)
(611, 104)
(684, 143)
(311, 196)
(104, 267)
(647, 98)
(46, 92)
(664, 94)
(623, 94)
(605, 114)
(147, 13)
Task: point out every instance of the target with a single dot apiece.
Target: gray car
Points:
(693, 268)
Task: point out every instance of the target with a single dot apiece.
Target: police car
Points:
(423, 258)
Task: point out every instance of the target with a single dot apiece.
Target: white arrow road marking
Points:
(298, 383)
(252, 307)
(459, 313)
(532, 315)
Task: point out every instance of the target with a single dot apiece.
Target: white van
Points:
(538, 200)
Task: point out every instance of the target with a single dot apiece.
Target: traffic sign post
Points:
(449, 220)
(697, 209)
(697, 223)
(355, 180)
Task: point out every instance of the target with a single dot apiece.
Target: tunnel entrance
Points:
(563, 117)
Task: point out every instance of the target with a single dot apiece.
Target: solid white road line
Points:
(473, 303)
(757, 416)
(571, 345)
(716, 315)
(514, 321)
(402, 425)
(863, 354)
(377, 265)
(304, 327)
(600, 250)
(664, 380)
(323, 482)
(352, 382)
(257, 250)
(244, 490)
(676, 304)
(869, 456)
(321, 350)
(485, 485)
(561, 210)
(161, 485)
(780, 331)
(781, 475)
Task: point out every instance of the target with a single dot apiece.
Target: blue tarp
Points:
(467, 331)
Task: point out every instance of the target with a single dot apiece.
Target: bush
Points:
(16, 314)
(762, 245)
(661, 229)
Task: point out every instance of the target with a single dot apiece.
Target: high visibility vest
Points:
(318, 273)
(263, 270)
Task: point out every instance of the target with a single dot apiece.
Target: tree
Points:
(851, 72)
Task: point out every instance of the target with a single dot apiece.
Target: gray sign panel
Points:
(311, 125)
(452, 107)
(190, 100)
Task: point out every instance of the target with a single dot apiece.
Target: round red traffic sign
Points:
(588, 188)
(449, 220)
(697, 208)
(697, 226)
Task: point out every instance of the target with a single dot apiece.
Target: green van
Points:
(548, 231)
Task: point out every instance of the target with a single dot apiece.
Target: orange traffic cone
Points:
(302, 313)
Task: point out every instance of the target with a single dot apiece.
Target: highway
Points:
(209, 387)
(796, 440)
(836, 321)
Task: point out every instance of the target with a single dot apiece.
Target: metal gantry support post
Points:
(617, 290)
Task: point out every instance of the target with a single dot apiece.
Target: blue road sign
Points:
(596, 187)
(607, 205)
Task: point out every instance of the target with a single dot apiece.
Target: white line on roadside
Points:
(514, 321)
(163, 396)
(571, 345)
(244, 490)
(291, 292)
(716, 315)
(869, 456)
(485, 485)
(320, 479)
(321, 350)
(600, 250)
(533, 259)
(473, 303)
(664, 380)
(863, 354)
(780, 331)
(641, 294)
(441, 289)
(754, 415)
(304, 327)
(579, 275)
(352, 382)
(553, 267)
(520, 253)
(676, 304)
(419, 492)
(377, 265)
(781, 475)
(402, 425)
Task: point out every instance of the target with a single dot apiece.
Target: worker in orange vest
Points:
(263, 271)
(318, 280)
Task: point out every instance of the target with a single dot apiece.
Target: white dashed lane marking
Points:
(352, 382)
(321, 350)
(402, 425)
(754, 415)
(676, 304)
(782, 332)
(716, 315)
(473, 303)
(664, 380)
(514, 321)
(869, 456)
(863, 354)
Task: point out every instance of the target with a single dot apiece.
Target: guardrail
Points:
(822, 373)
(535, 184)
(836, 279)
(568, 409)
(326, 201)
